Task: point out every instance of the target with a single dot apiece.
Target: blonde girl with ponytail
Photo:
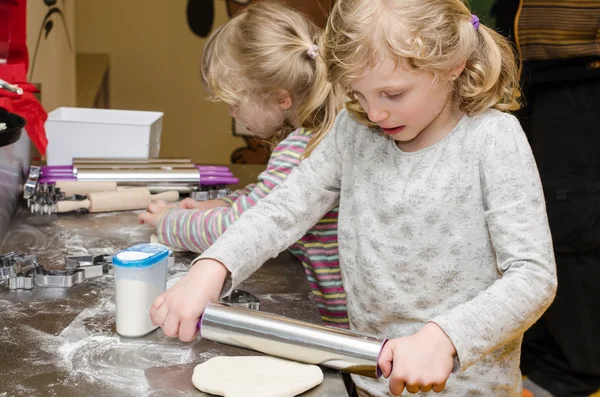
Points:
(444, 244)
(266, 64)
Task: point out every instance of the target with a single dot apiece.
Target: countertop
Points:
(62, 341)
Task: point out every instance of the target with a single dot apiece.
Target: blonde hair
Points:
(427, 35)
(265, 47)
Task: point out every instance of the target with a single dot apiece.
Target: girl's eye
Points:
(394, 96)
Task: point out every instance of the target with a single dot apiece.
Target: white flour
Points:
(89, 349)
(134, 299)
(116, 362)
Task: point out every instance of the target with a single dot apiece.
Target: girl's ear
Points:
(284, 99)
(454, 73)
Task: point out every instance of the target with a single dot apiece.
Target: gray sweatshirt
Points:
(456, 234)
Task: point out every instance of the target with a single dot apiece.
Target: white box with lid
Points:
(93, 133)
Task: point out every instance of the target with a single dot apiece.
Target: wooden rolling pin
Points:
(121, 200)
(70, 188)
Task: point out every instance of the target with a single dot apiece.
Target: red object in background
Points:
(13, 21)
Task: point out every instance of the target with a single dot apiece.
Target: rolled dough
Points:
(255, 376)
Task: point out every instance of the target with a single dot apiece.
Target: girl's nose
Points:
(377, 115)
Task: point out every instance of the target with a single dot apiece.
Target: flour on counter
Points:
(107, 358)
(89, 349)
(63, 340)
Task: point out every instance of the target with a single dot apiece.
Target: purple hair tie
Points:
(475, 21)
(313, 51)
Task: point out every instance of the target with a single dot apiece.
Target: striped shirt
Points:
(558, 29)
(196, 230)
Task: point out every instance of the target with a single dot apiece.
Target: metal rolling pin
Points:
(108, 160)
(291, 339)
(143, 177)
(62, 174)
(167, 187)
(130, 166)
(52, 170)
(182, 175)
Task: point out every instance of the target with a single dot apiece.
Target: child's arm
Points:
(519, 231)
(197, 230)
(262, 232)
(191, 204)
(226, 201)
(230, 199)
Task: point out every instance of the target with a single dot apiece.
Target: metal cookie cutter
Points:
(20, 282)
(210, 194)
(239, 298)
(223, 192)
(75, 261)
(103, 262)
(45, 198)
(92, 265)
(16, 263)
(32, 181)
(58, 278)
(199, 195)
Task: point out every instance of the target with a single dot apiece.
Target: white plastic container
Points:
(140, 274)
(92, 133)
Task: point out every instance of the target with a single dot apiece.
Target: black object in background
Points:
(200, 16)
(15, 126)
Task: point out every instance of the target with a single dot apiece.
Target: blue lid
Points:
(140, 255)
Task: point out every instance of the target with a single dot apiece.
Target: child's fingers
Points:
(171, 325)
(152, 208)
(439, 387)
(411, 388)
(187, 203)
(149, 219)
(158, 302)
(386, 358)
(396, 386)
(425, 388)
(144, 217)
(187, 330)
(160, 314)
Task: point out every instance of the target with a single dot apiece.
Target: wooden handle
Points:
(69, 188)
(120, 200)
(70, 205)
(167, 196)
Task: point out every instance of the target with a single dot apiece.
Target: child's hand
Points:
(178, 309)
(154, 212)
(191, 204)
(420, 362)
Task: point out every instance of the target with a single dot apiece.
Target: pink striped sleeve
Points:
(196, 230)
